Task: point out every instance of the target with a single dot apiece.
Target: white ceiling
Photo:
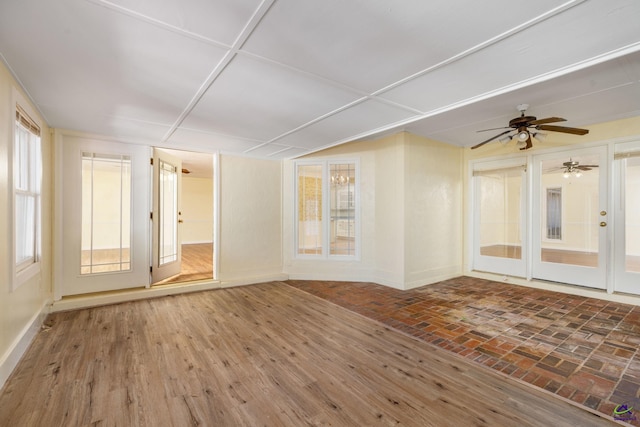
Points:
(283, 78)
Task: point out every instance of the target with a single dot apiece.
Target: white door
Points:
(165, 217)
(570, 217)
(627, 217)
(105, 194)
(500, 217)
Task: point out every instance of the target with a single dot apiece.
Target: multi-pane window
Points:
(343, 209)
(27, 179)
(326, 209)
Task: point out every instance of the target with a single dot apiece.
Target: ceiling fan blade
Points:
(484, 130)
(588, 166)
(547, 120)
(564, 129)
(491, 139)
(529, 143)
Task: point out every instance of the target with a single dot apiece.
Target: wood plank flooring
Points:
(197, 264)
(267, 355)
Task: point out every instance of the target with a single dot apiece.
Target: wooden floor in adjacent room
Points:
(267, 355)
(197, 264)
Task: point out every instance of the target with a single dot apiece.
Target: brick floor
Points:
(583, 349)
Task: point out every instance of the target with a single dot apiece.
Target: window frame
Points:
(325, 254)
(25, 270)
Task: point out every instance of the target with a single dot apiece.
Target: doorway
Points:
(105, 204)
(544, 216)
(570, 217)
(194, 217)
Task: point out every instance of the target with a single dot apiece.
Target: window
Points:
(326, 209)
(554, 213)
(27, 177)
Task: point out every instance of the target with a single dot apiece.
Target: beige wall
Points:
(433, 211)
(410, 196)
(21, 310)
(250, 219)
(197, 210)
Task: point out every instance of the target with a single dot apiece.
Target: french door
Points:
(546, 217)
(104, 210)
(166, 219)
(627, 217)
(570, 217)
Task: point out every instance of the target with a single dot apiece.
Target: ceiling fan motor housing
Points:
(522, 121)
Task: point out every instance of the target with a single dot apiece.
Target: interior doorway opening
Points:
(195, 217)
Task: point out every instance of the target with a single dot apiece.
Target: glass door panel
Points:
(570, 217)
(499, 219)
(166, 235)
(627, 246)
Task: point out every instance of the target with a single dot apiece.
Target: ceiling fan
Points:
(572, 168)
(524, 127)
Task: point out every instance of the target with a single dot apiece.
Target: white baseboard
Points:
(10, 359)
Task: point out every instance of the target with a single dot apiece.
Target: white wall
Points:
(22, 310)
(250, 220)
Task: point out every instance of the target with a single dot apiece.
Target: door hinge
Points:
(150, 269)
(151, 161)
(151, 215)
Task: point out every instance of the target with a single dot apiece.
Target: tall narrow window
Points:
(327, 212)
(343, 209)
(27, 182)
(310, 209)
(554, 213)
(106, 213)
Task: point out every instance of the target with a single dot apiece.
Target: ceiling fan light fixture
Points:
(521, 143)
(566, 174)
(523, 135)
(505, 139)
(540, 136)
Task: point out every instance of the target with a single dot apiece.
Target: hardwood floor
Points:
(266, 354)
(197, 264)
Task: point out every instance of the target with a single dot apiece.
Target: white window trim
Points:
(21, 276)
(326, 210)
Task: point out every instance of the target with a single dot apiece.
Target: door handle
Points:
(603, 224)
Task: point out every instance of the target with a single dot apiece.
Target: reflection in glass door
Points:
(627, 201)
(499, 218)
(570, 217)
